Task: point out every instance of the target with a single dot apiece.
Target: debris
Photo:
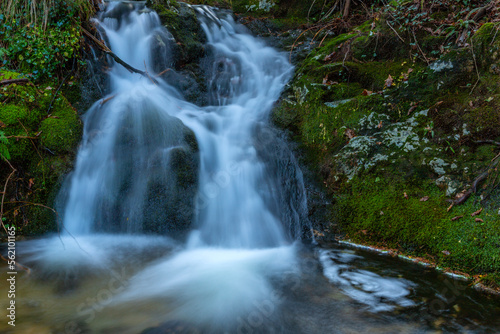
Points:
(388, 82)
(475, 213)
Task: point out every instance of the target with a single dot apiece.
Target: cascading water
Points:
(131, 138)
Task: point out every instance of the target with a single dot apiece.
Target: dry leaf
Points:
(412, 109)
(388, 82)
(330, 56)
(424, 199)
(475, 213)
(366, 92)
(30, 183)
(478, 220)
(350, 133)
(449, 208)
(456, 218)
(471, 104)
(379, 125)
(445, 252)
(405, 195)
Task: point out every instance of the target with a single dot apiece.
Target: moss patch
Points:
(41, 148)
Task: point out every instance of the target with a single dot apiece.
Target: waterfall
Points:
(125, 180)
(151, 162)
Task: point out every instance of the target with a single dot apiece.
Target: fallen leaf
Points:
(2, 124)
(475, 213)
(405, 195)
(330, 56)
(379, 125)
(49, 88)
(412, 109)
(479, 220)
(470, 104)
(364, 231)
(30, 183)
(366, 92)
(388, 82)
(424, 199)
(350, 133)
(456, 218)
(449, 208)
(445, 252)
(381, 213)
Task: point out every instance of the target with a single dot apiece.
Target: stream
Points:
(181, 218)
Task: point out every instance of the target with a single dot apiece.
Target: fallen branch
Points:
(401, 38)
(5, 192)
(475, 183)
(13, 81)
(107, 51)
(486, 141)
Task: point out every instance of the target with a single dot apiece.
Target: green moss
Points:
(326, 125)
(61, 131)
(377, 211)
(33, 133)
(182, 23)
(11, 114)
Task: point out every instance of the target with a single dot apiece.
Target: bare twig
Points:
(5, 192)
(475, 65)
(486, 141)
(107, 51)
(13, 81)
(401, 38)
(418, 46)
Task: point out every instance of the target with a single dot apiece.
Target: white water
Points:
(238, 243)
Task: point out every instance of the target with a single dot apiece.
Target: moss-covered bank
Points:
(42, 133)
(402, 129)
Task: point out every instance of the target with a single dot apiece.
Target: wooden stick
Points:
(115, 57)
(13, 81)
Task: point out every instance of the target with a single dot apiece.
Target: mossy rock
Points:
(41, 148)
(181, 21)
(61, 132)
(486, 45)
